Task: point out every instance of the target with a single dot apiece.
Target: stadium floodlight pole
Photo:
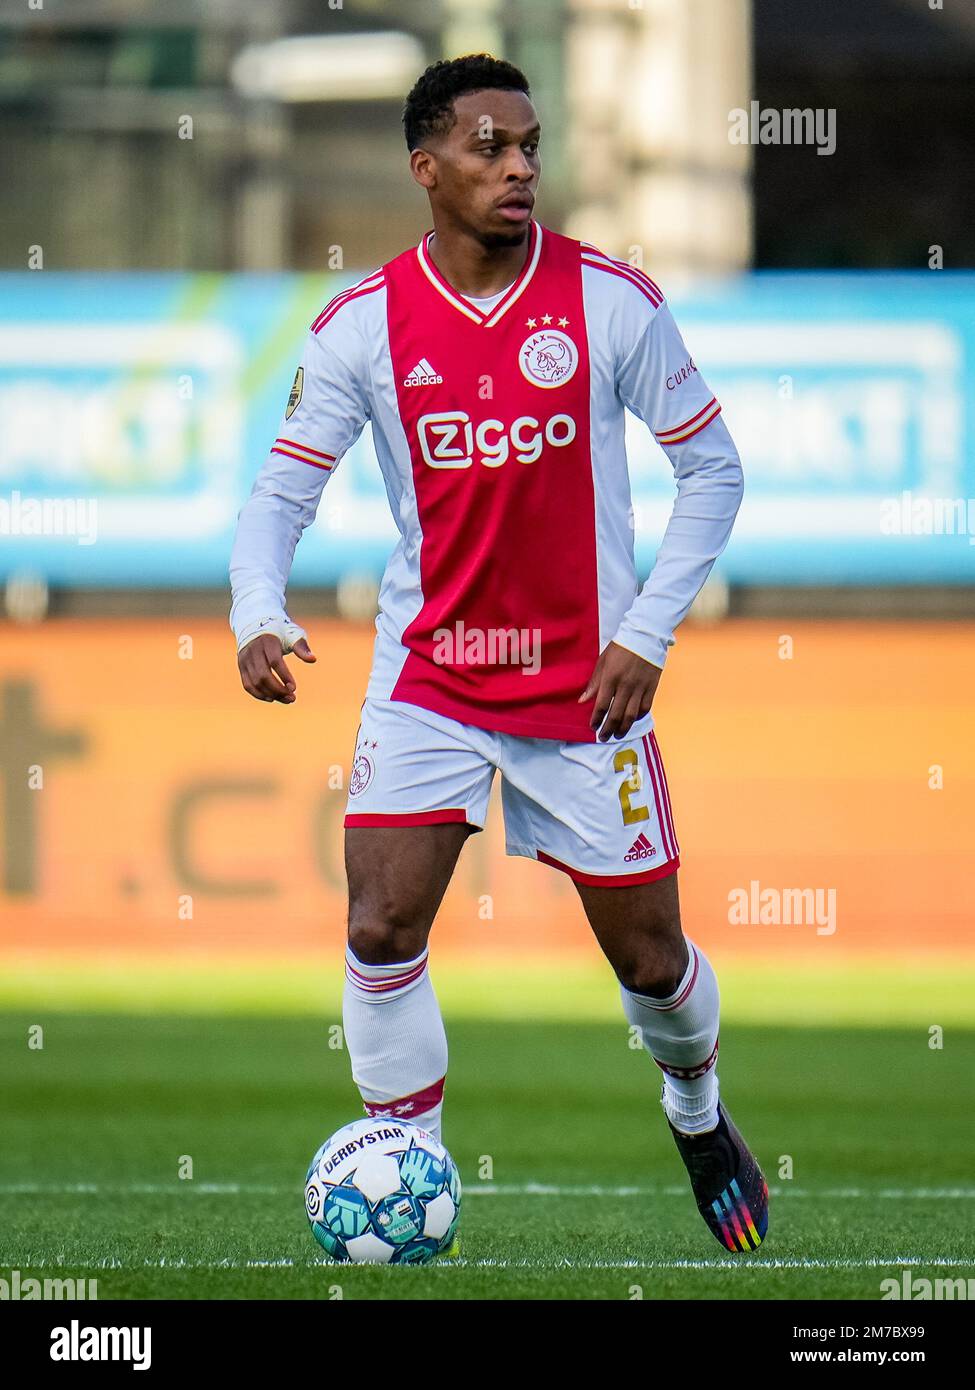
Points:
(647, 113)
(262, 203)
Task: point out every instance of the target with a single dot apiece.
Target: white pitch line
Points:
(678, 1190)
(876, 1262)
(751, 1264)
(217, 1189)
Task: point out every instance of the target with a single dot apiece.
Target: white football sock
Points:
(396, 1039)
(680, 1032)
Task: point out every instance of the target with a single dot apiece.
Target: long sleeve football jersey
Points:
(499, 430)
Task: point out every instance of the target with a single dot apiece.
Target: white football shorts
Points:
(598, 811)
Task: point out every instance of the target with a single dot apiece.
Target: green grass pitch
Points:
(572, 1185)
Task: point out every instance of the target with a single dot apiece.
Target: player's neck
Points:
(473, 269)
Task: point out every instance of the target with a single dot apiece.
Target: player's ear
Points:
(423, 167)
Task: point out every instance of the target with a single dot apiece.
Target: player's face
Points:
(485, 170)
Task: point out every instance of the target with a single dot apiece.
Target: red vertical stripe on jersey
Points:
(508, 545)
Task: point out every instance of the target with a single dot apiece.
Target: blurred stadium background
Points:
(184, 187)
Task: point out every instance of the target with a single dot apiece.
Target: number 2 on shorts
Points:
(626, 760)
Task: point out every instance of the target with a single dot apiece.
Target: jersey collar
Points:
(464, 306)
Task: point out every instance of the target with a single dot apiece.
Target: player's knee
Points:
(380, 934)
(655, 967)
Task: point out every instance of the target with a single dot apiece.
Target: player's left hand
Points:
(624, 686)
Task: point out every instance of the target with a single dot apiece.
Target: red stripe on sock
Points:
(381, 984)
(689, 1073)
(416, 1103)
(682, 997)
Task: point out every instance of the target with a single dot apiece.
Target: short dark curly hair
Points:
(429, 106)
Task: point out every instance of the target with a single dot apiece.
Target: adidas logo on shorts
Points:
(641, 848)
(423, 375)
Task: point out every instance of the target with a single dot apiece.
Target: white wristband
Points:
(283, 628)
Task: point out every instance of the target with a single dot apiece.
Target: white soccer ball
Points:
(383, 1191)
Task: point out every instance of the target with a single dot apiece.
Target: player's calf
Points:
(392, 1022)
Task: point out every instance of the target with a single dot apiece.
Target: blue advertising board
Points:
(136, 409)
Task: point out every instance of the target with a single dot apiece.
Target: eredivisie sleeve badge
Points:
(296, 389)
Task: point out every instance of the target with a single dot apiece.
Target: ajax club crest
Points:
(363, 770)
(548, 358)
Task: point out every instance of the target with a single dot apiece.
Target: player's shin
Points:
(680, 1032)
(396, 1039)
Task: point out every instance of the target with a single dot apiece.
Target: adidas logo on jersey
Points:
(422, 375)
(641, 848)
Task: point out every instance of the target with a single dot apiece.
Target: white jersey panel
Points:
(606, 299)
(400, 594)
(639, 360)
(326, 412)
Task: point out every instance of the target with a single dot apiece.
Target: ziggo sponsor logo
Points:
(449, 439)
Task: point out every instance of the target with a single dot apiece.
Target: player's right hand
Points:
(264, 672)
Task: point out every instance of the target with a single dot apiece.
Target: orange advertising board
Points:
(148, 803)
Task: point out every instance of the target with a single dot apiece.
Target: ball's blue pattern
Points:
(346, 1212)
(338, 1214)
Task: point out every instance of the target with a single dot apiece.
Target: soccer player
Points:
(495, 360)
